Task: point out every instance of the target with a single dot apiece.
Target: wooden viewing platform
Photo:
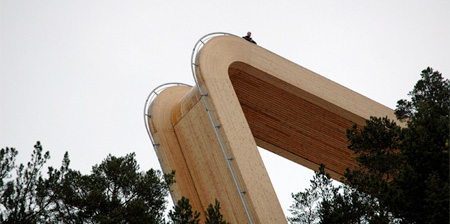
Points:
(254, 98)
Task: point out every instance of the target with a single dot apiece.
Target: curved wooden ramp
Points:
(248, 96)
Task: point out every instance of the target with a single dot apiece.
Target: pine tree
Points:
(213, 215)
(24, 199)
(115, 192)
(403, 173)
(182, 213)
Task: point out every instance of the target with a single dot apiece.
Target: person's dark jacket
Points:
(249, 39)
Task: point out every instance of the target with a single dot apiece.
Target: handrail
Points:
(197, 47)
(149, 104)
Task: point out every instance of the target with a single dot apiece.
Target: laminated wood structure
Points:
(246, 97)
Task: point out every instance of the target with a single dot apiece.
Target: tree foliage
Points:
(115, 191)
(182, 213)
(213, 215)
(403, 173)
(307, 204)
(24, 199)
(328, 202)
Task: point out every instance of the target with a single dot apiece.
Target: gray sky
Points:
(75, 74)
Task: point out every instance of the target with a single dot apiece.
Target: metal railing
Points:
(229, 159)
(149, 104)
(242, 192)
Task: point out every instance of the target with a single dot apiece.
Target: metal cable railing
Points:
(242, 192)
(148, 104)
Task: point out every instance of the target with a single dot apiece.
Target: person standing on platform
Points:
(249, 37)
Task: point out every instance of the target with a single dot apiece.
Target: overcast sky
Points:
(75, 74)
